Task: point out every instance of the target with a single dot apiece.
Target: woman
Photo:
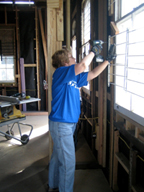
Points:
(67, 79)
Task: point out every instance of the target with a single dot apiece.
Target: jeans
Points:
(62, 163)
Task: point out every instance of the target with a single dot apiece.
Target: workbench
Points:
(11, 116)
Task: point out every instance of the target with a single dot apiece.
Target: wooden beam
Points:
(30, 65)
(35, 113)
(114, 28)
(123, 161)
(45, 52)
(43, 38)
(37, 58)
(115, 161)
(49, 36)
(111, 7)
(53, 3)
(102, 103)
(18, 55)
(59, 17)
(68, 24)
(111, 138)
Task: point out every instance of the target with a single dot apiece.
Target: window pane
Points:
(86, 22)
(129, 69)
(136, 103)
(129, 5)
(7, 69)
(122, 97)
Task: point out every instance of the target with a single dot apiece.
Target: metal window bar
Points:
(127, 90)
(126, 67)
(126, 60)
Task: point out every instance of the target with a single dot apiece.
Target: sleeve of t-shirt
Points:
(82, 79)
(64, 74)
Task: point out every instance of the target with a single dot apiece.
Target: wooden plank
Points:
(18, 54)
(53, 3)
(59, 18)
(43, 40)
(35, 113)
(137, 131)
(111, 7)
(111, 138)
(105, 86)
(49, 10)
(97, 138)
(68, 29)
(122, 116)
(45, 51)
(119, 118)
(4, 91)
(17, 76)
(123, 161)
(102, 34)
(115, 161)
(88, 120)
(54, 33)
(30, 65)
(133, 165)
(114, 28)
(37, 57)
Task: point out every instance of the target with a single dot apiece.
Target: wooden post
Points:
(115, 161)
(111, 133)
(52, 45)
(68, 23)
(49, 72)
(102, 109)
(45, 52)
(37, 57)
(18, 55)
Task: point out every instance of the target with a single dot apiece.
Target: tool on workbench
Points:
(21, 95)
(10, 115)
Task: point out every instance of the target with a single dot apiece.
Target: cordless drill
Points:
(99, 58)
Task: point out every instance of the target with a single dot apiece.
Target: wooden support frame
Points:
(115, 161)
(102, 89)
(37, 57)
(45, 52)
(18, 55)
(52, 45)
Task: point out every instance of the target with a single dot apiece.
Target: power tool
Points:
(99, 58)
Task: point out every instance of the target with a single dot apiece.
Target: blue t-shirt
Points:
(66, 94)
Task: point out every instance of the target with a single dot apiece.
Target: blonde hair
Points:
(60, 57)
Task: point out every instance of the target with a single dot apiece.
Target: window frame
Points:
(85, 48)
(127, 112)
(10, 82)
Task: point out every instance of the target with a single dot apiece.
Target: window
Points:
(129, 66)
(7, 55)
(74, 54)
(85, 21)
(86, 30)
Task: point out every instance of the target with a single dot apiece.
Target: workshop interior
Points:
(109, 138)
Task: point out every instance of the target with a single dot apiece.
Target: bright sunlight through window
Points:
(129, 67)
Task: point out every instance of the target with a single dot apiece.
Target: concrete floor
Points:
(24, 168)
